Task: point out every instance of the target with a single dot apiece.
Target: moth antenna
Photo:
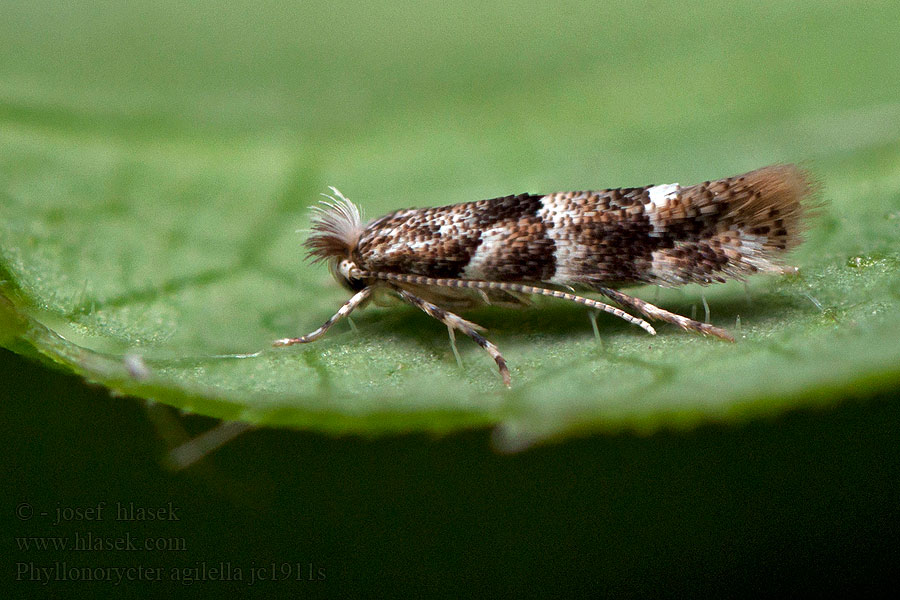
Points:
(506, 287)
(655, 312)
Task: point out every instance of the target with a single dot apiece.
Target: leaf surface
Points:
(156, 165)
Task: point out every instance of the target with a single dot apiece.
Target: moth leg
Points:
(348, 307)
(452, 335)
(654, 312)
(455, 322)
(593, 316)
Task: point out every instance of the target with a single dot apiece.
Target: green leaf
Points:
(156, 164)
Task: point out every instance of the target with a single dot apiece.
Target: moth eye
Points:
(345, 267)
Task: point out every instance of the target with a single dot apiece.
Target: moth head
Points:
(342, 271)
(334, 235)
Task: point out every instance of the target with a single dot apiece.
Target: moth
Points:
(504, 250)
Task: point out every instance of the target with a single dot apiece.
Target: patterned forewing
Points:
(661, 234)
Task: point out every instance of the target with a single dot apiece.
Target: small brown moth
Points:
(502, 250)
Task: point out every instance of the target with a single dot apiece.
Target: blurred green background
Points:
(420, 103)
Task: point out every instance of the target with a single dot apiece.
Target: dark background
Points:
(807, 501)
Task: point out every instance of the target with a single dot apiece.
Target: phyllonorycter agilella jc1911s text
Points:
(503, 250)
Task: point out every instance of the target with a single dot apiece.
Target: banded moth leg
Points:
(455, 322)
(348, 307)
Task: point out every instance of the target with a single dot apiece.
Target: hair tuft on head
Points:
(336, 227)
